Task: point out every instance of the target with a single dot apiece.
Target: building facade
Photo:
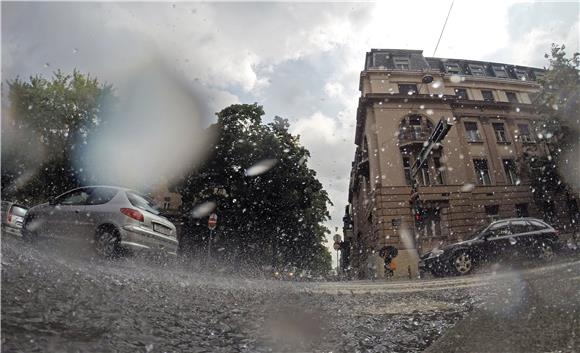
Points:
(472, 178)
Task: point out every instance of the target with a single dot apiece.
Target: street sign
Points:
(336, 246)
(436, 137)
(212, 221)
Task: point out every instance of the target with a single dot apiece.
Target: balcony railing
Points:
(406, 136)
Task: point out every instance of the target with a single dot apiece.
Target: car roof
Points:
(518, 219)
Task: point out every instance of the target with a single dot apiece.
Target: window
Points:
(461, 93)
(439, 177)
(453, 68)
(521, 74)
(100, 196)
(424, 177)
(537, 225)
(401, 63)
(512, 97)
(165, 205)
(511, 171)
(520, 226)
(522, 210)
(472, 131)
(500, 71)
(538, 75)
(477, 70)
(415, 126)
(407, 170)
(487, 96)
(524, 133)
(499, 229)
(481, 172)
(75, 197)
(500, 133)
(409, 89)
(142, 202)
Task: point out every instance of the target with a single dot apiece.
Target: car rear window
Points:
(99, 196)
(142, 202)
(18, 210)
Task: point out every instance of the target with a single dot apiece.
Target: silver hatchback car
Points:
(113, 218)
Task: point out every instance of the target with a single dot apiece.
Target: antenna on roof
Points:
(443, 29)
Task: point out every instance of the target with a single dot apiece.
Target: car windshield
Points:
(211, 153)
(142, 202)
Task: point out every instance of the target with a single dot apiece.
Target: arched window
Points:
(415, 128)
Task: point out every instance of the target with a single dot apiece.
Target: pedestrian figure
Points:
(388, 253)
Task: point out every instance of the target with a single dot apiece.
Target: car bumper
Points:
(138, 237)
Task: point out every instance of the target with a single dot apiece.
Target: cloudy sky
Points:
(300, 60)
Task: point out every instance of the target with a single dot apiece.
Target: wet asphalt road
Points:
(60, 299)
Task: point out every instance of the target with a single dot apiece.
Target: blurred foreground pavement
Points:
(59, 299)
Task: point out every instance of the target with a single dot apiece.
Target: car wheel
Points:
(107, 243)
(546, 252)
(462, 263)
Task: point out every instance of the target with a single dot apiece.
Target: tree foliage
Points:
(558, 104)
(269, 203)
(52, 119)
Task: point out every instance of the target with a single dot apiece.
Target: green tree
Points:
(54, 117)
(558, 104)
(269, 203)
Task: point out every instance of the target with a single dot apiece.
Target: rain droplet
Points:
(455, 78)
(203, 210)
(75, 50)
(261, 167)
(467, 187)
(46, 64)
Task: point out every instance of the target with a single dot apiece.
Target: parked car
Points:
(112, 217)
(502, 239)
(12, 216)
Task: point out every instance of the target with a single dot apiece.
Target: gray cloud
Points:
(301, 60)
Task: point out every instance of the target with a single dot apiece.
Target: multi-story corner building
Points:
(472, 178)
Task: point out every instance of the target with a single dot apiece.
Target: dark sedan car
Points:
(503, 239)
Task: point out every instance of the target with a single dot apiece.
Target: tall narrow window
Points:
(500, 133)
(481, 171)
(492, 212)
(407, 169)
(461, 93)
(525, 133)
(512, 97)
(408, 89)
(522, 74)
(511, 171)
(487, 96)
(425, 179)
(439, 169)
(522, 210)
(472, 131)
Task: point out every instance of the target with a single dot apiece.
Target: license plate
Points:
(161, 229)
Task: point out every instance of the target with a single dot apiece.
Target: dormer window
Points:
(500, 71)
(477, 70)
(522, 74)
(453, 68)
(401, 63)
